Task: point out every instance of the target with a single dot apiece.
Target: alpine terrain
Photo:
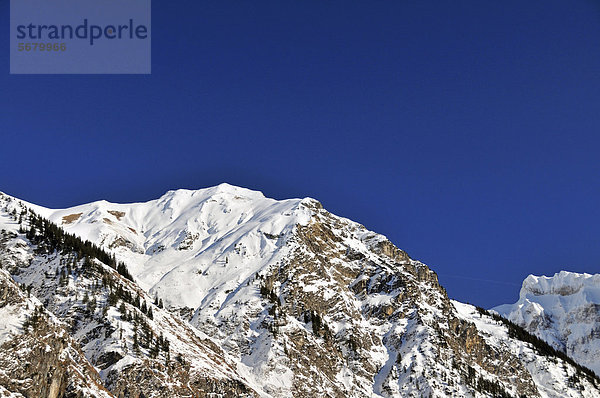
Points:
(222, 292)
(563, 310)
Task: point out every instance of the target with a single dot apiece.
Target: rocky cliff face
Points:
(38, 357)
(268, 298)
(138, 348)
(346, 313)
(564, 310)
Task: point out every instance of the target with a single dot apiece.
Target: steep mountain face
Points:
(38, 356)
(563, 310)
(296, 301)
(121, 330)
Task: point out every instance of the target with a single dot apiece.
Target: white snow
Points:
(11, 323)
(564, 310)
(171, 245)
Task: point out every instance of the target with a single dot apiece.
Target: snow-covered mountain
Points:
(189, 247)
(564, 310)
(259, 297)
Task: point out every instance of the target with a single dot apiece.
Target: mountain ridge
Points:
(298, 301)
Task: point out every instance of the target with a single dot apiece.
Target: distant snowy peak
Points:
(564, 283)
(564, 310)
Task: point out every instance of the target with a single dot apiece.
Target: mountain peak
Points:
(562, 283)
(223, 188)
(564, 310)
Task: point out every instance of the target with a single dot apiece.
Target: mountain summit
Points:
(173, 243)
(563, 310)
(223, 291)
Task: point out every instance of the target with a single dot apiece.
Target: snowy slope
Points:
(553, 379)
(107, 316)
(563, 310)
(171, 245)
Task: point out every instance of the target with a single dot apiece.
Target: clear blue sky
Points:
(467, 132)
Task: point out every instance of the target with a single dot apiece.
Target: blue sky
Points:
(467, 132)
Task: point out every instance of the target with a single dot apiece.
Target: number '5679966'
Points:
(42, 47)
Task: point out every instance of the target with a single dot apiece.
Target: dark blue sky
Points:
(467, 132)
